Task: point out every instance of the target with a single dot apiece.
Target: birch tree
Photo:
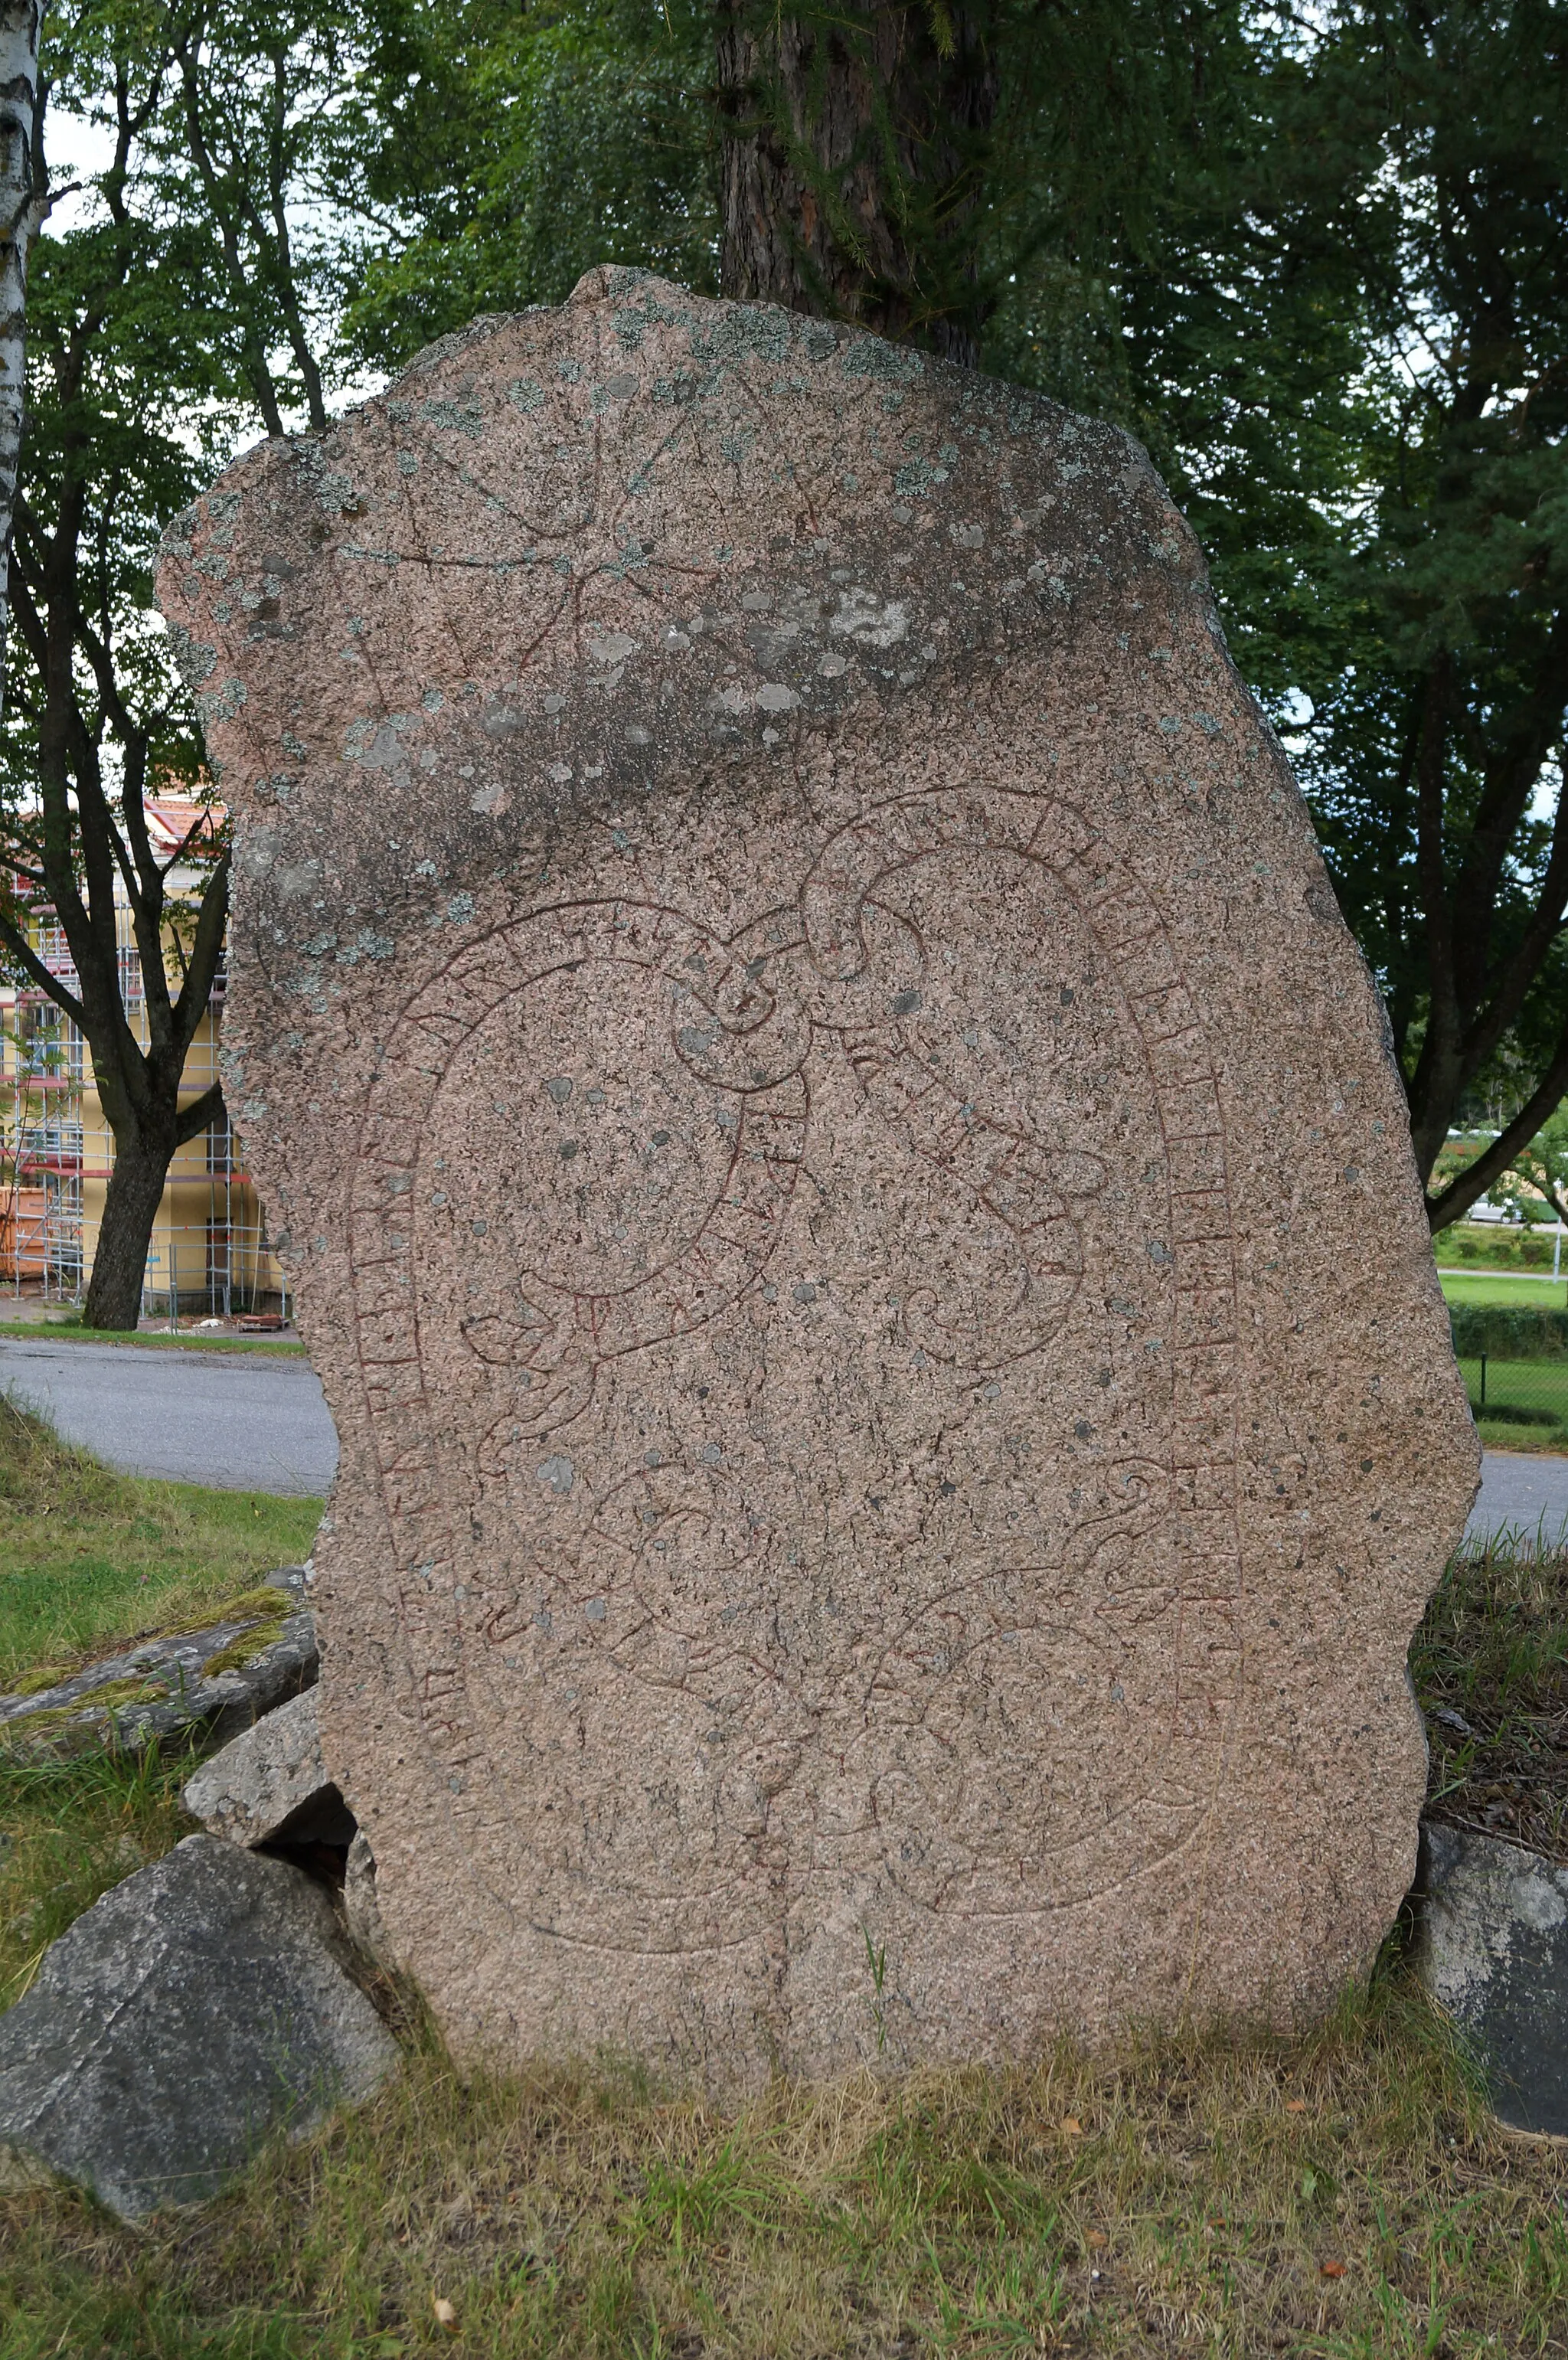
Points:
(23, 202)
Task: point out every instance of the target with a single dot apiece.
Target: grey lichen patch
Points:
(869, 357)
(463, 417)
(220, 703)
(334, 491)
(369, 945)
(195, 658)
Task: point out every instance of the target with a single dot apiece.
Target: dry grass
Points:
(1344, 2196)
(1490, 1664)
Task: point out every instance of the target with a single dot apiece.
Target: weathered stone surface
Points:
(197, 2007)
(269, 1785)
(362, 1911)
(830, 1137)
(1492, 1948)
(166, 1684)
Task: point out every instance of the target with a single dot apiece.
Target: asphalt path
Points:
(1521, 1492)
(237, 1421)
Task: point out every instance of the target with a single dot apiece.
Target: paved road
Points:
(244, 1422)
(1523, 1493)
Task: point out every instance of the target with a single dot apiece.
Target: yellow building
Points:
(208, 1256)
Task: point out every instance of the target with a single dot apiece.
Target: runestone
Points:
(847, 1191)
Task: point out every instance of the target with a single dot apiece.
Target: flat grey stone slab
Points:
(162, 1686)
(201, 2006)
(239, 1422)
(1522, 1491)
(1492, 1948)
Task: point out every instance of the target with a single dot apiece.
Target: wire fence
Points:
(220, 1270)
(214, 1267)
(1522, 1400)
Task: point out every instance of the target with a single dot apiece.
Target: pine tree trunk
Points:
(21, 211)
(130, 1208)
(851, 181)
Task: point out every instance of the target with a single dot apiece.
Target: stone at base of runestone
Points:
(195, 2009)
(1492, 1948)
(269, 1785)
(362, 1910)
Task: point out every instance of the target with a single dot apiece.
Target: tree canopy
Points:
(1319, 265)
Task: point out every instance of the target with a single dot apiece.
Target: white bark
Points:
(23, 203)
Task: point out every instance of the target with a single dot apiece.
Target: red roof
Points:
(171, 819)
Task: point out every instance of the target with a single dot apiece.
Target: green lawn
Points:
(1528, 1402)
(88, 1556)
(71, 1331)
(1503, 1286)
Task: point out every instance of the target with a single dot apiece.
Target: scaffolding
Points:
(210, 1254)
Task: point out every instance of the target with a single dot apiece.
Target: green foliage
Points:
(1486, 1245)
(516, 148)
(1535, 1188)
(1508, 1331)
(1320, 266)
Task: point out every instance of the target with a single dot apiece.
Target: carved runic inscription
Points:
(1001, 1705)
(791, 1027)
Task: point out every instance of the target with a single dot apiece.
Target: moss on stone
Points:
(43, 1677)
(243, 1650)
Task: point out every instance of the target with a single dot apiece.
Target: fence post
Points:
(1483, 1380)
(174, 1305)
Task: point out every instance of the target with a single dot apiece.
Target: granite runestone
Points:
(849, 1191)
(194, 2010)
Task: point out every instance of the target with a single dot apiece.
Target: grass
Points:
(90, 1558)
(69, 1831)
(67, 1330)
(1344, 2194)
(1526, 1407)
(1490, 1664)
(1506, 1287)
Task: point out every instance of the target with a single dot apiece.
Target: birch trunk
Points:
(22, 208)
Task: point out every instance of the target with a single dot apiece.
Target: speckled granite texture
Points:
(848, 1194)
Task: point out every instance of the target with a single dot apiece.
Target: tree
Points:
(1317, 264)
(506, 151)
(1535, 1188)
(1436, 755)
(23, 193)
(853, 173)
(180, 309)
(896, 165)
(1344, 333)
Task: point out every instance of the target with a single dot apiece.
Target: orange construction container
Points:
(24, 1216)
